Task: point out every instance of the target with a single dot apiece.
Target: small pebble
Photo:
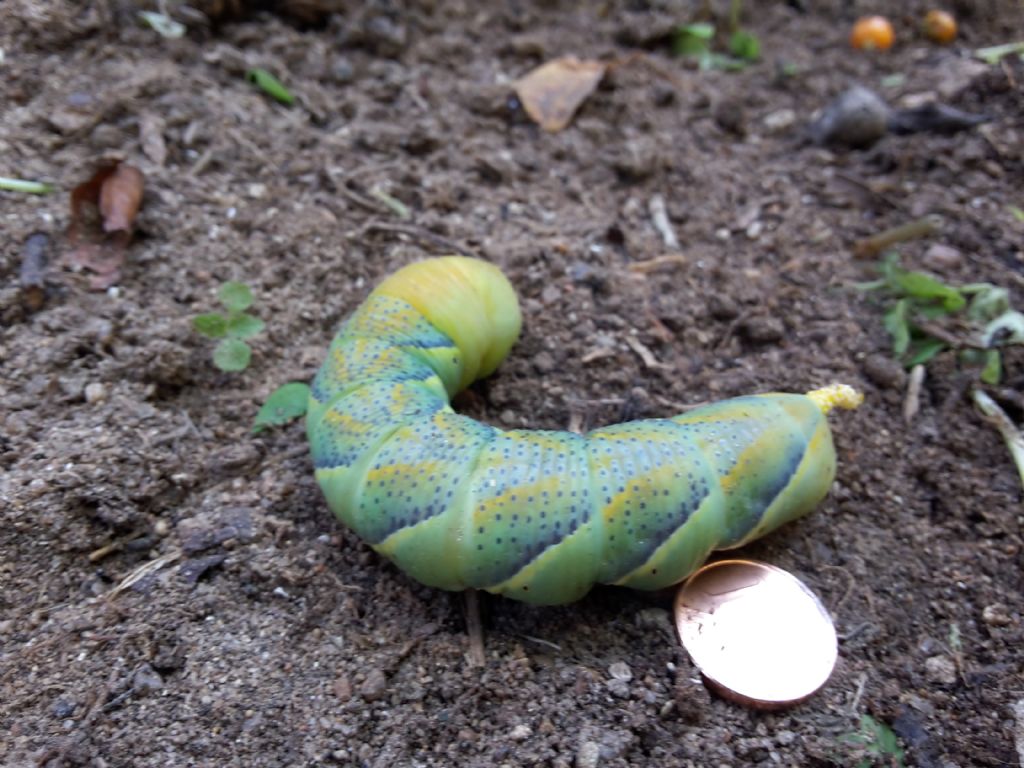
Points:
(343, 72)
(342, 688)
(95, 393)
(588, 755)
(544, 362)
(146, 680)
(620, 671)
(940, 669)
(780, 120)
(618, 688)
(62, 708)
(521, 732)
(731, 117)
(942, 258)
(763, 330)
(722, 307)
(885, 372)
(996, 615)
(550, 294)
(857, 118)
(375, 686)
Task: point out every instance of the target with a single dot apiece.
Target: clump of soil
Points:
(174, 590)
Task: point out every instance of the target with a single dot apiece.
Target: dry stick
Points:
(659, 215)
(648, 358)
(912, 402)
(474, 628)
(417, 233)
(861, 683)
(652, 265)
(870, 247)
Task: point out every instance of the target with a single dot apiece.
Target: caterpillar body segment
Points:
(538, 516)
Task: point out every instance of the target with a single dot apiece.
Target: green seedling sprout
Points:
(745, 45)
(286, 403)
(29, 187)
(996, 53)
(270, 85)
(878, 741)
(919, 299)
(231, 354)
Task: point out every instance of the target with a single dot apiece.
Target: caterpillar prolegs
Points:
(539, 516)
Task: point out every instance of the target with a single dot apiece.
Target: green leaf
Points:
(745, 45)
(235, 296)
(164, 25)
(919, 285)
(270, 85)
(1018, 213)
(287, 402)
(989, 301)
(701, 30)
(995, 53)
(212, 325)
(242, 325)
(896, 324)
(693, 40)
(232, 355)
(924, 350)
(993, 370)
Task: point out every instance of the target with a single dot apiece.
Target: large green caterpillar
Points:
(538, 516)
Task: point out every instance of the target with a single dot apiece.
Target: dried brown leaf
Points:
(120, 198)
(103, 210)
(553, 92)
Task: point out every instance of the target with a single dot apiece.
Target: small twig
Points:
(417, 233)
(474, 629)
(912, 402)
(862, 681)
(658, 262)
(142, 571)
(947, 337)
(393, 204)
(361, 200)
(540, 641)
(659, 215)
(598, 353)
(870, 247)
(648, 358)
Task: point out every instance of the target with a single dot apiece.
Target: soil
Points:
(174, 590)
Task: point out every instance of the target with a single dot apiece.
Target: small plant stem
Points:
(870, 247)
(997, 416)
(735, 11)
(20, 185)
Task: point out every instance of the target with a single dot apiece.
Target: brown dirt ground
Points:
(264, 634)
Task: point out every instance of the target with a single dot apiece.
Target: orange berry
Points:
(872, 33)
(940, 27)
